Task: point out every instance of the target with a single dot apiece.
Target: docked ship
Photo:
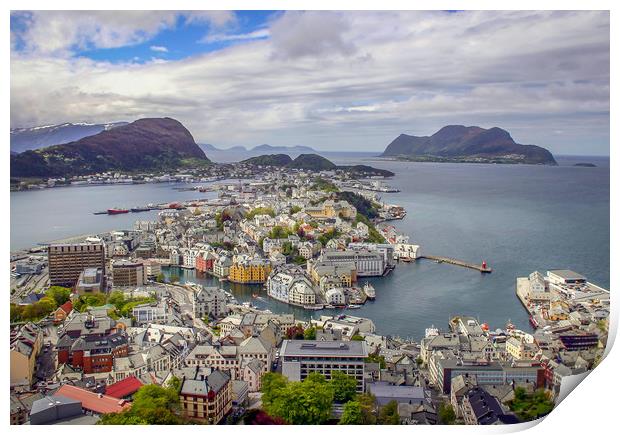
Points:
(139, 209)
(369, 290)
(117, 211)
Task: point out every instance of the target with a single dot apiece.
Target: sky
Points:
(350, 81)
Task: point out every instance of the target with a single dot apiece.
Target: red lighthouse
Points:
(484, 264)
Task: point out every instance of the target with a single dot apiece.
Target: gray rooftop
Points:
(324, 348)
(567, 274)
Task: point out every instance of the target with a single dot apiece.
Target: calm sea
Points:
(518, 218)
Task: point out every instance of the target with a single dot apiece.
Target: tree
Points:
(357, 337)
(389, 413)
(117, 299)
(59, 294)
(151, 404)
(376, 359)
(160, 277)
(344, 386)
(352, 413)
(307, 402)
(368, 402)
(446, 414)
(310, 334)
(295, 209)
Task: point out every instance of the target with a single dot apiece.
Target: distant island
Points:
(585, 165)
(145, 144)
(457, 143)
(314, 162)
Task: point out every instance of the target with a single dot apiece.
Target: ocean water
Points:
(518, 218)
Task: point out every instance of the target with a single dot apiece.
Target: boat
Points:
(329, 307)
(101, 212)
(117, 211)
(353, 306)
(369, 290)
(139, 209)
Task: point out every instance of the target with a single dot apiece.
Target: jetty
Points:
(483, 268)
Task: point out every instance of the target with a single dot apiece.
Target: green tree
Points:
(389, 413)
(295, 209)
(310, 333)
(446, 414)
(368, 402)
(151, 404)
(160, 277)
(376, 359)
(357, 337)
(307, 402)
(59, 294)
(344, 386)
(352, 413)
(117, 299)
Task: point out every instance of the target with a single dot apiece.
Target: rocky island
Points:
(457, 143)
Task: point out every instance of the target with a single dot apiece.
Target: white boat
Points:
(369, 290)
(353, 306)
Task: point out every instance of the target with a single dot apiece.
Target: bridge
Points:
(483, 268)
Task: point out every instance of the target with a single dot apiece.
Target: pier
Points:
(483, 268)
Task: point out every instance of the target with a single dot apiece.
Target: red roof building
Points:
(63, 311)
(97, 403)
(124, 388)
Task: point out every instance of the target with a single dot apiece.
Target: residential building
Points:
(209, 302)
(26, 342)
(207, 398)
(249, 270)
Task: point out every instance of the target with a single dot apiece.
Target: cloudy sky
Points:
(330, 80)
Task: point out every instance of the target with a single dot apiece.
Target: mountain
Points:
(145, 144)
(467, 144)
(270, 149)
(239, 153)
(314, 162)
(279, 160)
(32, 138)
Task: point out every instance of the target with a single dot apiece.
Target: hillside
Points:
(146, 144)
(467, 144)
(314, 162)
(32, 138)
(269, 160)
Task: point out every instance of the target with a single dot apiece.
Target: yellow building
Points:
(249, 271)
(26, 344)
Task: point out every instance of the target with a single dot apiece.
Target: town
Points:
(104, 332)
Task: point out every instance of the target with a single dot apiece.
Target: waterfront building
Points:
(249, 270)
(302, 293)
(335, 296)
(221, 266)
(345, 272)
(67, 261)
(367, 263)
(290, 284)
(520, 349)
(152, 268)
(26, 342)
(302, 357)
(90, 281)
(127, 273)
(207, 398)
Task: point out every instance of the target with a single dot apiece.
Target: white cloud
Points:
(226, 37)
(159, 48)
(60, 33)
(376, 75)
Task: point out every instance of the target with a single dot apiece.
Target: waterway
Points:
(518, 218)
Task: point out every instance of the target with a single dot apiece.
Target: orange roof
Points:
(66, 307)
(92, 401)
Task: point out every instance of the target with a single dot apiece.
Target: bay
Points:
(519, 218)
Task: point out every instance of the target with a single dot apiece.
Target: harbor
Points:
(483, 267)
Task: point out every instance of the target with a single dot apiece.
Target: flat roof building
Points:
(67, 261)
(302, 357)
